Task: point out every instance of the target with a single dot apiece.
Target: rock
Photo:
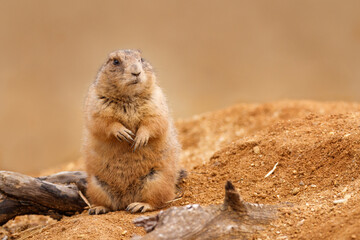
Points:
(295, 190)
(300, 223)
(256, 150)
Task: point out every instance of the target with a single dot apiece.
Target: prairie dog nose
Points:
(135, 70)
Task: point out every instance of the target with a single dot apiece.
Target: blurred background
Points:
(208, 55)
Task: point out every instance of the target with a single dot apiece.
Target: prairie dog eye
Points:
(116, 62)
(142, 60)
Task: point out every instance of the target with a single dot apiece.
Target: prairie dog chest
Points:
(129, 112)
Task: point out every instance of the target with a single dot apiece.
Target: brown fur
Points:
(130, 143)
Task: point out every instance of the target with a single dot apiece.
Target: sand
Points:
(314, 145)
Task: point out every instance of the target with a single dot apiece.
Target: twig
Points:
(272, 170)
(178, 196)
(84, 198)
(174, 200)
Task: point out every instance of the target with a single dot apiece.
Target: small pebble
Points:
(301, 222)
(339, 201)
(262, 195)
(295, 191)
(256, 150)
(301, 183)
(187, 194)
(335, 183)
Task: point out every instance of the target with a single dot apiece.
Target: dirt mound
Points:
(204, 134)
(318, 163)
(314, 146)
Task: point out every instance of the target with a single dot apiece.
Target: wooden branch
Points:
(54, 195)
(234, 219)
(67, 177)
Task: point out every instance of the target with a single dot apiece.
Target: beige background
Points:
(208, 55)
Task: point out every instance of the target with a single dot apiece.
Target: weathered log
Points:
(54, 195)
(234, 219)
(67, 177)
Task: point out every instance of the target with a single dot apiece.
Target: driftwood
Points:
(234, 219)
(55, 195)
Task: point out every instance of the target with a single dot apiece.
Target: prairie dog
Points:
(130, 143)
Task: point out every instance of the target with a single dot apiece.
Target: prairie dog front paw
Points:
(122, 133)
(141, 139)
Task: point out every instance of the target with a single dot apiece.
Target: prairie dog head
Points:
(125, 73)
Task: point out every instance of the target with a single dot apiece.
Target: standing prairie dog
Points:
(130, 143)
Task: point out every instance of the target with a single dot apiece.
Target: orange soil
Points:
(316, 146)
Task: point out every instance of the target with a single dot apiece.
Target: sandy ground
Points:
(316, 147)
